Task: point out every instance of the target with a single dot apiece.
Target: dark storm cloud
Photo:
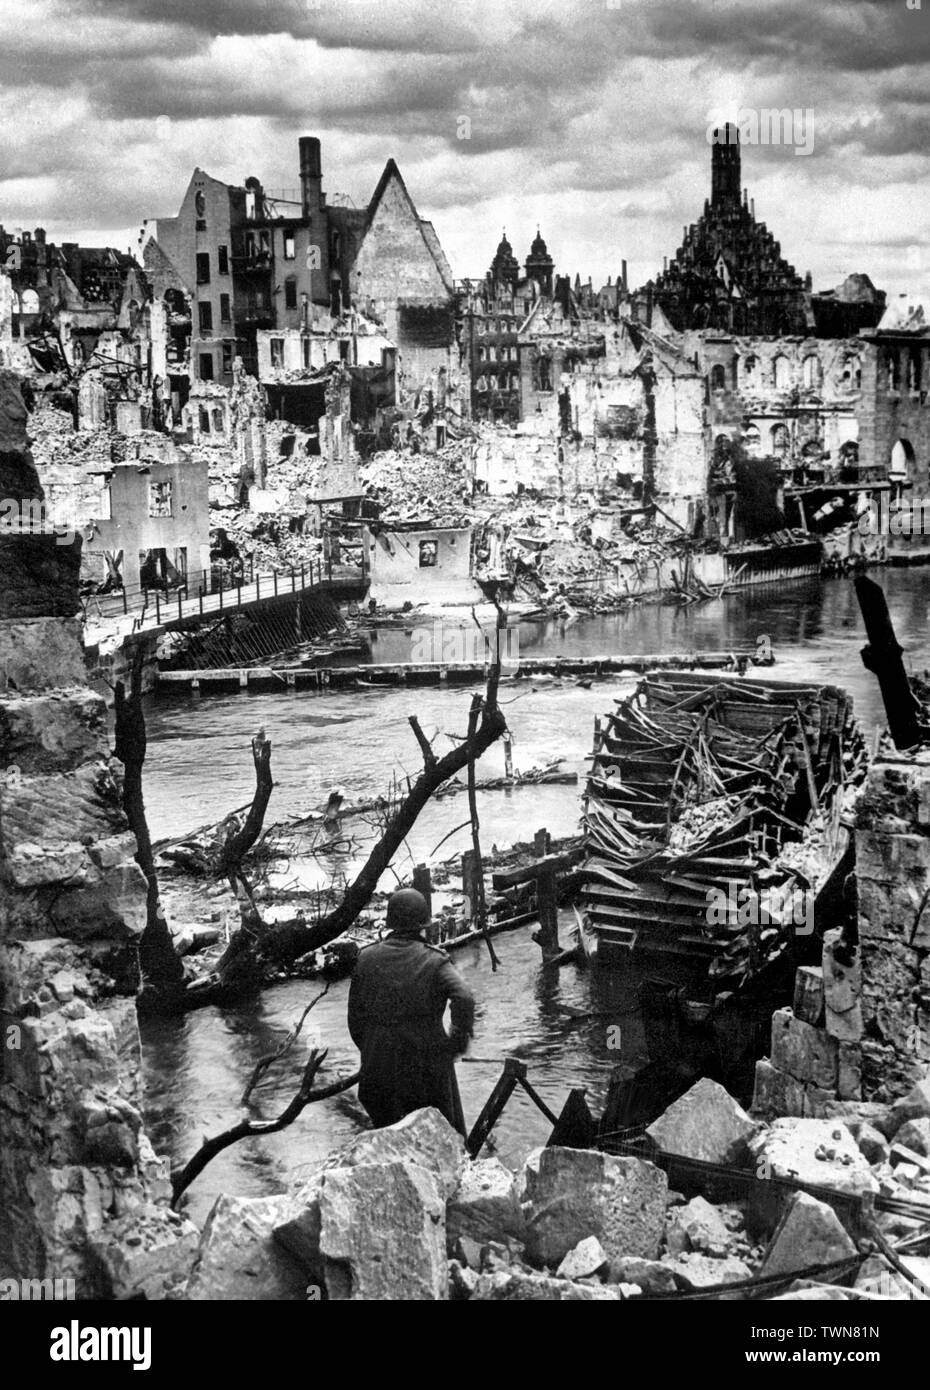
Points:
(592, 117)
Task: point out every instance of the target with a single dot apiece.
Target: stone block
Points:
(808, 995)
(915, 1135)
(849, 1071)
(586, 1261)
(705, 1123)
(895, 912)
(805, 1053)
(775, 1092)
(892, 858)
(146, 1255)
(583, 1192)
(423, 1137)
(54, 732)
(816, 1151)
(695, 1271)
(842, 988)
(237, 1258)
(872, 1144)
(809, 1233)
(485, 1205)
(112, 907)
(382, 1233)
(41, 653)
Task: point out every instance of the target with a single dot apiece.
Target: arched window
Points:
(903, 460)
(781, 372)
(752, 440)
(780, 440)
(718, 378)
(481, 384)
(811, 368)
(750, 368)
(30, 302)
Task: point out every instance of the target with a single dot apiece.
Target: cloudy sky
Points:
(588, 116)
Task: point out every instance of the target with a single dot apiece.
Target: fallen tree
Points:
(286, 941)
(256, 947)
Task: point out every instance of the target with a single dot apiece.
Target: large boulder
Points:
(238, 1259)
(147, 1254)
(424, 1138)
(822, 1152)
(485, 1205)
(809, 1233)
(915, 1135)
(705, 1123)
(804, 1052)
(382, 1233)
(578, 1193)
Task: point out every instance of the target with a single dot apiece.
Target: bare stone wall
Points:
(82, 1195)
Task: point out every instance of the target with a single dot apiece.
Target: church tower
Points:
(540, 265)
(725, 168)
(505, 269)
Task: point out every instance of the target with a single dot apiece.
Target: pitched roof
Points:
(427, 231)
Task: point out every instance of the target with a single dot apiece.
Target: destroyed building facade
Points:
(257, 260)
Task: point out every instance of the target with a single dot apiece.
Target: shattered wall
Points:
(895, 396)
(158, 504)
(893, 869)
(803, 390)
(77, 1172)
(422, 565)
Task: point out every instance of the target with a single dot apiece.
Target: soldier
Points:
(398, 995)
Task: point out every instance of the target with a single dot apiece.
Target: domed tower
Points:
(504, 267)
(540, 265)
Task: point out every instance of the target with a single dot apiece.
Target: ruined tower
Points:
(725, 167)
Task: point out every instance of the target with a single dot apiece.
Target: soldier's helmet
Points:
(407, 912)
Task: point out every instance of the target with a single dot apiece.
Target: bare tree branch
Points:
(263, 1063)
(252, 1129)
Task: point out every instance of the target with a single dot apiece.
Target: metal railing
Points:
(158, 607)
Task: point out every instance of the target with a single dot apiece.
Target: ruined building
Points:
(286, 261)
(494, 315)
(895, 409)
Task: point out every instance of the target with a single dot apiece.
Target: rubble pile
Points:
(430, 487)
(54, 440)
(403, 1213)
(270, 524)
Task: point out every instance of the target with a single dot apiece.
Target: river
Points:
(562, 1022)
